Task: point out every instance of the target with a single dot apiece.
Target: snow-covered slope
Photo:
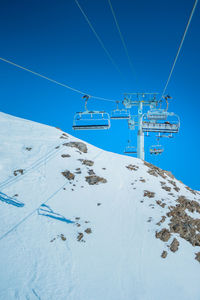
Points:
(80, 223)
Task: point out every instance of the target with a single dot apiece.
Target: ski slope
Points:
(63, 238)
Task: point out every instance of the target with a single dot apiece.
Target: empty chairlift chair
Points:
(120, 114)
(129, 149)
(91, 120)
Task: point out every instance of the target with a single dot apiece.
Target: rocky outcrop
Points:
(94, 179)
(174, 245)
(132, 167)
(79, 145)
(87, 162)
(164, 235)
(67, 174)
(19, 171)
(149, 194)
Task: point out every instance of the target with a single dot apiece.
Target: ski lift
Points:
(156, 149)
(129, 149)
(91, 120)
(172, 124)
(120, 114)
(157, 114)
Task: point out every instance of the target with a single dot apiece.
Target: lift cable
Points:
(55, 81)
(180, 46)
(122, 38)
(98, 38)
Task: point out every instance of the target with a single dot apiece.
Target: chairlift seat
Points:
(90, 127)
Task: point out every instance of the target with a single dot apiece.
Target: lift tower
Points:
(139, 100)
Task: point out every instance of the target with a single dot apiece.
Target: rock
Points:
(164, 254)
(142, 180)
(80, 236)
(64, 136)
(160, 203)
(57, 147)
(161, 221)
(86, 162)
(164, 235)
(63, 237)
(94, 179)
(197, 257)
(174, 245)
(91, 172)
(88, 230)
(155, 171)
(65, 155)
(79, 145)
(98, 204)
(19, 171)
(149, 194)
(132, 167)
(28, 148)
(67, 174)
(166, 188)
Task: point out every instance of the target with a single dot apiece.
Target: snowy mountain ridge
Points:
(78, 222)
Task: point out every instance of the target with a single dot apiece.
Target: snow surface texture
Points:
(80, 223)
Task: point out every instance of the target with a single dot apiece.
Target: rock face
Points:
(164, 235)
(65, 155)
(79, 145)
(67, 174)
(94, 179)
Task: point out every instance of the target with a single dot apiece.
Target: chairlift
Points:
(156, 149)
(157, 114)
(172, 124)
(129, 149)
(120, 114)
(91, 120)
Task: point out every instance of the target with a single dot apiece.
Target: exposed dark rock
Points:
(132, 167)
(19, 171)
(197, 257)
(166, 188)
(149, 194)
(161, 221)
(67, 174)
(164, 235)
(174, 245)
(160, 203)
(88, 230)
(65, 155)
(79, 145)
(80, 236)
(57, 147)
(64, 136)
(91, 172)
(94, 179)
(63, 237)
(164, 254)
(86, 162)
(28, 148)
(155, 171)
(142, 180)
(98, 204)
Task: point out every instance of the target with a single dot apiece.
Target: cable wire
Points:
(54, 81)
(122, 38)
(98, 38)
(180, 46)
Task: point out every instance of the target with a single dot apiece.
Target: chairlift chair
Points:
(162, 126)
(91, 120)
(129, 149)
(156, 149)
(157, 114)
(120, 114)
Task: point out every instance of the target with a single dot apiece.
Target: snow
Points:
(120, 259)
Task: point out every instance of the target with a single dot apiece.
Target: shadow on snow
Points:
(10, 200)
(45, 210)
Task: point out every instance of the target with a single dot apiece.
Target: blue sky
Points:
(53, 38)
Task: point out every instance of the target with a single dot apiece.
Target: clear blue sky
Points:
(53, 38)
